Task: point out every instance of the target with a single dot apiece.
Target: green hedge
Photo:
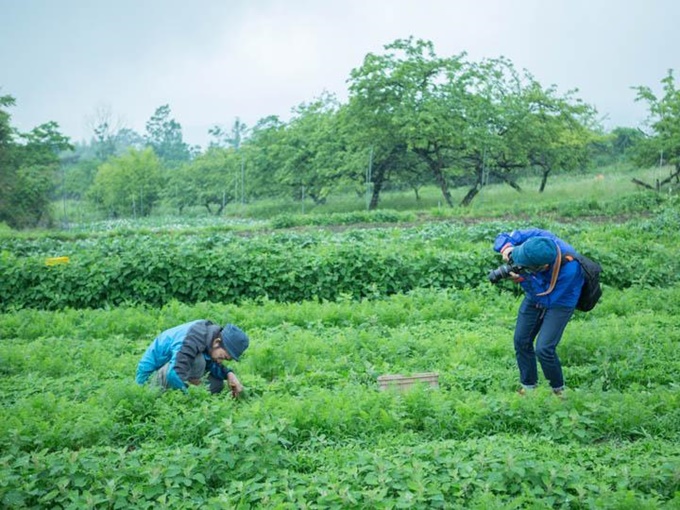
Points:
(294, 267)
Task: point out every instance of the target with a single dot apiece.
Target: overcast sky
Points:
(215, 60)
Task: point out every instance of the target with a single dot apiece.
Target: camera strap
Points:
(557, 265)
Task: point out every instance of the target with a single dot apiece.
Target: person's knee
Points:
(523, 344)
(545, 353)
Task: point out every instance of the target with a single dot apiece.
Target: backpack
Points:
(591, 290)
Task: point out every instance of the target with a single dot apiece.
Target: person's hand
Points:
(506, 253)
(234, 384)
(195, 382)
(517, 278)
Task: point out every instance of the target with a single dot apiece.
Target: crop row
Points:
(234, 472)
(296, 268)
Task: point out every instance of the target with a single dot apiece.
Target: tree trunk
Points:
(443, 185)
(471, 194)
(380, 174)
(437, 167)
(544, 180)
(378, 179)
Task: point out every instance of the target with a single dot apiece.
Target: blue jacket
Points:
(179, 346)
(569, 280)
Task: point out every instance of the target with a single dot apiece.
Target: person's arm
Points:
(234, 384)
(173, 379)
(218, 374)
(146, 366)
(218, 370)
(180, 364)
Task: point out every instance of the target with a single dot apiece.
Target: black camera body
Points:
(501, 272)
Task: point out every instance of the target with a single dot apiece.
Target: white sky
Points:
(215, 60)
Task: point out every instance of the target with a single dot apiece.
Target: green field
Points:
(406, 295)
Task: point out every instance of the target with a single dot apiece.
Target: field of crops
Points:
(314, 430)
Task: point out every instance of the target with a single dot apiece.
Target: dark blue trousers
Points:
(545, 326)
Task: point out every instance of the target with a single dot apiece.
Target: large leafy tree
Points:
(399, 99)
(524, 124)
(466, 121)
(28, 167)
(312, 150)
(664, 121)
(128, 185)
(210, 180)
(264, 156)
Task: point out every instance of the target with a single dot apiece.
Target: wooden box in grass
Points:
(405, 382)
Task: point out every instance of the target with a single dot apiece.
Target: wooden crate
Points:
(405, 382)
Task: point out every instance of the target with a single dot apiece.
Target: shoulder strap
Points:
(555, 272)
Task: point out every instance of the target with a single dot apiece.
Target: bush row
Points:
(155, 274)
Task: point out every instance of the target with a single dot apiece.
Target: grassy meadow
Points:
(313, 429)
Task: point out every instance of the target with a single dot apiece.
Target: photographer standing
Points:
(542, 264)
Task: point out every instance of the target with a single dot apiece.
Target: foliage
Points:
(313, 429)
(467, 121)
(128, 185)
(164, 136)
(156, 268)
(28, 164)
(412, 119)
(211, 180)
(664, 119)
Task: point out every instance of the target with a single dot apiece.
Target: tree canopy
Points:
(28, 166)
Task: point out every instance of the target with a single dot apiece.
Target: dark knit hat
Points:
(234, 341)
(535, 251)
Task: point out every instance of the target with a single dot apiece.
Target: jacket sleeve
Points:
(193, 345)
(217, 376)
(517, 237)
(146, 366)
(218, 371)
(173, 379)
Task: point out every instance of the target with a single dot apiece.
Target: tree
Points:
(396, 106)
(557, 130)
(104, 129)
(466, 121)
(263, 152)
(210, 180)
(664, 121)
(7, 163)
(128, 185)
(28, 165)
(312, 150)
(164, 135)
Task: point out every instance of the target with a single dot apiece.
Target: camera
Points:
(501, 272)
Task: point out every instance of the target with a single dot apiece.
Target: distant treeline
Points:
(411, 119)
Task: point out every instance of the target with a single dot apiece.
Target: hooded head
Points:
(535, 251)
(234, 341)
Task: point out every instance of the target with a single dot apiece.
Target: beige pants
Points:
(196, 372)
